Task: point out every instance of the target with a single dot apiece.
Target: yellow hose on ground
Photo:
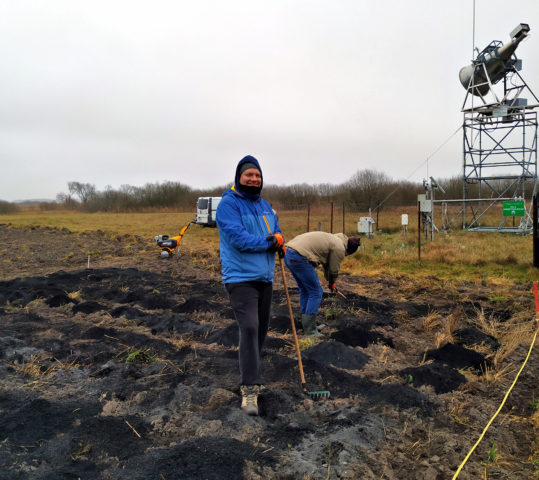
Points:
(510, 388)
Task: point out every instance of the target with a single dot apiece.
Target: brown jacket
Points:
(327, 249)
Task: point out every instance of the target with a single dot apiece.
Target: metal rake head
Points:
(320, 394)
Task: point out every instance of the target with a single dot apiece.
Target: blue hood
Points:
(247, 159)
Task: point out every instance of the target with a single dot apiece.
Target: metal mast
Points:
(499, 139)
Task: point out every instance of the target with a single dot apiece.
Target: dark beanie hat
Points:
(247, 166)
(353, 245)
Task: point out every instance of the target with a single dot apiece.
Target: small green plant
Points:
(496, 298)
(142, 355)
(410, 379)
(534, 404)
(333, 311)
(492, 456)
(305, 343)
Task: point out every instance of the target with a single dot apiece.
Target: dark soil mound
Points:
(228, 336)
(337, 354)
(442, 378)
(360, 337)
(281, 324)
(176, 324)
(96, 333)
(88, 307)
(211, 458)
(156, 302)
(194, 304)
(58, 300)
(127, 312)
(457, 356)
(471, 337)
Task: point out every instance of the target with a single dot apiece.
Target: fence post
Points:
(535, 233)
(419, 231)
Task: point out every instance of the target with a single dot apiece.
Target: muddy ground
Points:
(128, 370)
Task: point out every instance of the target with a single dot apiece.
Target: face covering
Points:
(251, 190)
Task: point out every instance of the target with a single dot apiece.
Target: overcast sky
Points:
(129, 92)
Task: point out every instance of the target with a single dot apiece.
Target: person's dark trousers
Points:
(310, 290)
(251, 302)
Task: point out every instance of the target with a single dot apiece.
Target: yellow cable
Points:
(499, 409)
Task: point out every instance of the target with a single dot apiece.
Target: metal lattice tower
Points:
(499, 143)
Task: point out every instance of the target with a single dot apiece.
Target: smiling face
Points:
(251, 178)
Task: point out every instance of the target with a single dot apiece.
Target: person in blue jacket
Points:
(249, 238)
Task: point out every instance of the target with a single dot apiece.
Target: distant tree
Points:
(67, 201)
(8, 207)
(369, 187)
(84, 191)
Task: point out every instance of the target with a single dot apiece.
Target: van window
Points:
(202, 203)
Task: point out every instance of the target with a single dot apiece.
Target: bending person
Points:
(249, 237)
(303, 254)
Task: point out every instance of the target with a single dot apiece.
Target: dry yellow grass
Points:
(500, 259)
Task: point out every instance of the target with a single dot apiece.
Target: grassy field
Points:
(457, 256)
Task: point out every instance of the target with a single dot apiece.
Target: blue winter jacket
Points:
(245, 221)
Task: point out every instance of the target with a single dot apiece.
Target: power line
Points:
(420, 166)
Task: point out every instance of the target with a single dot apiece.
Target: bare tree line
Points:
(366, 189)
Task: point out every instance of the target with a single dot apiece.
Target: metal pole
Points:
(331, 230)
(535, 233)
(432, 214)
(419, 231)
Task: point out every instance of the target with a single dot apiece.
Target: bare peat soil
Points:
(128, 370)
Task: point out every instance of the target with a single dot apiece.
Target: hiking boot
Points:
(249, 399)
(309, 325)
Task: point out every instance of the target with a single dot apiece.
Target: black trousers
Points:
(251, 302)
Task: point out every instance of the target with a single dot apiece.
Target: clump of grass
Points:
(457, 410)
(510, 339)
(82, 452)
(493, 456)
(40, 369)
(183, 341)
(36, 302)
(305, 343)
(488, 326)
(333, 311)
(141, 355)
(496, 375)
(447, 333)
(74, 295)
(402, 316)
(431, 321)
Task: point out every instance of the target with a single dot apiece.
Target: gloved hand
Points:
(281, 251)
(277, 242)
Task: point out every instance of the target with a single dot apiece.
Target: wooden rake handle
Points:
(536, 304)
(298, 351)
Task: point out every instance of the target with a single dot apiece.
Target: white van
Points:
(206, 210)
